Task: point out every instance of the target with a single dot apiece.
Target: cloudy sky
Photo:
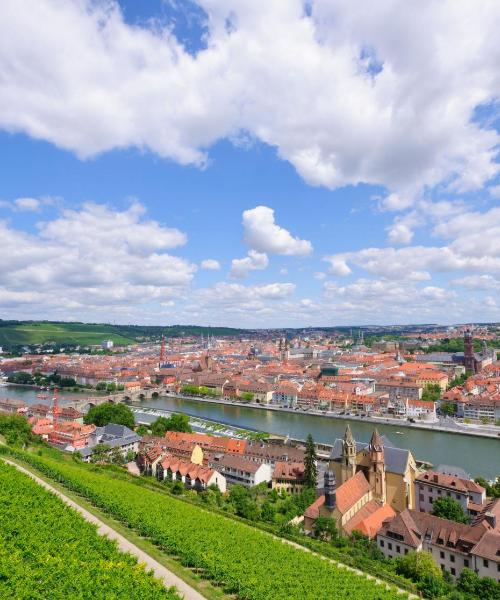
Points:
(278, 163)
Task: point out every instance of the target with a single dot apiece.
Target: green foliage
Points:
(447, 408)
(492, 491)
(458, 380)
(473, 586)
(448, 508)
(431, 393)
(47, 550)
(421, 568)
(246, 396)
(20, 377)
(195, 390)
(15, 429)
(142, 430)
(100, 453)
(310, 463)
(110, 413)
(176, 422)
(250, 564)
(325, 529)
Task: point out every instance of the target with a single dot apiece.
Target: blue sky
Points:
(330, 167)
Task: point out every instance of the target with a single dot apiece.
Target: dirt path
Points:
(169, 578)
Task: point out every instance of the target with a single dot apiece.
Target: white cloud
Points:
(210, 264)
(400, 233)
(27, 204)
(398, 115)
(263, 234)
(478, 282)
(338, 266)
(254, 261)
(494, 191)
(94, 260)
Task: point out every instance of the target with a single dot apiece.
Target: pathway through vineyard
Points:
(168, 578)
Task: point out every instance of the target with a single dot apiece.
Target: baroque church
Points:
(364, 485)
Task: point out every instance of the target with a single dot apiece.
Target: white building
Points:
(107, 344)
(431, 486)
(240, 470)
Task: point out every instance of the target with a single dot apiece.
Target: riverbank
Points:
(434, 426)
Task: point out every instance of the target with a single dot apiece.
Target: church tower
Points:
(377, 468)
(469, 359)
(348, 455)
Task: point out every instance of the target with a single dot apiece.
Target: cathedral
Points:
(364, 485)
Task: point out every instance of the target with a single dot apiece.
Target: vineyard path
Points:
(168, 578)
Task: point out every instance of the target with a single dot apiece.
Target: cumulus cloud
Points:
(363, 96)
(210, 264)
(338, 266)
(254, 261)
(263, 234)
(94, 260)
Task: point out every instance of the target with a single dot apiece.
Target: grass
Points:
(203, 586)
(60, 333)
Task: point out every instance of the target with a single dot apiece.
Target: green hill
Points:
(15, 334)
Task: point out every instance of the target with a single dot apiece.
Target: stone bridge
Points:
(85, 404)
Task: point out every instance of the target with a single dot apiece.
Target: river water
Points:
(478, 456)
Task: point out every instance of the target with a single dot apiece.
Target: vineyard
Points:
(48, 551)
(247, 562)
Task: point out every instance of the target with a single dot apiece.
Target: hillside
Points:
(23, 333)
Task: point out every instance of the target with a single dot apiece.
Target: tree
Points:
(179, 422)
(325, 529)
(310, 464)
(246, 396)
(110, 413)
(101, 385)
(447, 408)
(417, 565)
(100, 453)
(15, 429)
(160, 426)
(431, 393)
(116, 456)
(448, 508)
(142, 430)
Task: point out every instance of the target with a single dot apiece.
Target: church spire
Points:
(348, 455)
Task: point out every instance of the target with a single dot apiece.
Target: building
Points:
(193, 476)
(288, 477)
(107, 344)
(453, 546)
(353, 506)
(397, 473)
(115, 436)
(11, 406)
(399, 389)
(431, 485)
(237, 469)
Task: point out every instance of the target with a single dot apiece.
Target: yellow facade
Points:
(400, 492)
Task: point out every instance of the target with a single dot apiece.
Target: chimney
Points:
(330, 487)
(491, 519)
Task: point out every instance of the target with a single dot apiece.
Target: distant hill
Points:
(15, 334)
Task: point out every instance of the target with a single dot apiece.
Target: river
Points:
(478, 456)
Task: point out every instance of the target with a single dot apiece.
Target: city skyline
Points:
(288, 165)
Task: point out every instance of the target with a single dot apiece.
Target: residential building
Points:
(431, 485)
(193, 476)
(288, 477)
(115, 436)
(237, 469)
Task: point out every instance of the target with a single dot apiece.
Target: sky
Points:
(248, 164)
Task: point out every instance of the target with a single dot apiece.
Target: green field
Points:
(247, 563)
(14, 334)
(47, 550)
(60, 333)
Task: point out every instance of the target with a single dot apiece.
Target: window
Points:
(498, 567)
(452, 558)
(382, 543)
(431, 500)
(441, 554)
(421, 497)
(466, 562)
(398, 549)
(486, 563)
(452, 570)
(389, 545)
(406, 552)
(458, 496)
(439, 492)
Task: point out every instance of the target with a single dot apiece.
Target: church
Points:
(364, 485)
